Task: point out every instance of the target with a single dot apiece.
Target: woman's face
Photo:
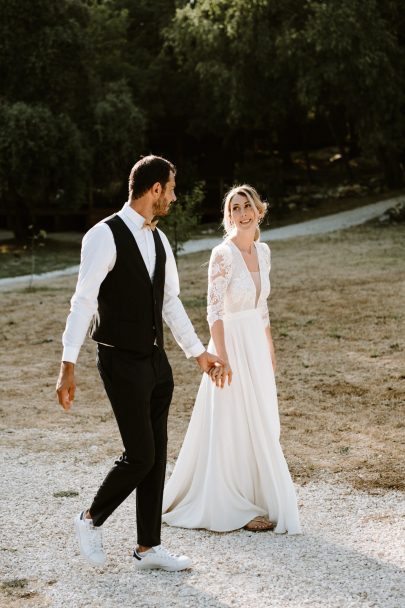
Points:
(243, 214)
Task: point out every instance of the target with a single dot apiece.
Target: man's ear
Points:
(157, 189)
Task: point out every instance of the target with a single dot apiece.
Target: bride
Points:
(231, 471)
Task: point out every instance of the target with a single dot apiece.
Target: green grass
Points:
(15, 583)
(66, 494)
(17, 259)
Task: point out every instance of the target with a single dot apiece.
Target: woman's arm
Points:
(220, 374)
(218, 337)
(264, 308)
(271, 347)
(219, 275)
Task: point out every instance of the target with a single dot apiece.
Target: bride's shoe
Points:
(259, 524)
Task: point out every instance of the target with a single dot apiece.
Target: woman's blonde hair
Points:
(259, 206)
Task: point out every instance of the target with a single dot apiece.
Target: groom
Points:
(127, 283)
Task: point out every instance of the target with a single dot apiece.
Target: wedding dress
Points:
(231, 467)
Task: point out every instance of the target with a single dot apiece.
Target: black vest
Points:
(129, 303)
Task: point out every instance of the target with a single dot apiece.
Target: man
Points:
(127, 283)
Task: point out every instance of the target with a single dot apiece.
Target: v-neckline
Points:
(247, 269)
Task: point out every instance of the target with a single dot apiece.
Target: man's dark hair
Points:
(146, 172)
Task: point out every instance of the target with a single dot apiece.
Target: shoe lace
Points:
(164, 552)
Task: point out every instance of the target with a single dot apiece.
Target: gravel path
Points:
(350, 553)
(322, 225)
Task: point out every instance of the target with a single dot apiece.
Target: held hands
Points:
(219, 373)
(218, 369)
(206, 361)
(66, 386)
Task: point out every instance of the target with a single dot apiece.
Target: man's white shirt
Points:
(98, 257)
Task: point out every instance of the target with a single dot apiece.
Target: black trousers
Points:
(140, 392)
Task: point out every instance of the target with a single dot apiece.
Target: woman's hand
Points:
(220, 373)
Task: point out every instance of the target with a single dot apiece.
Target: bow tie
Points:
(150, 225)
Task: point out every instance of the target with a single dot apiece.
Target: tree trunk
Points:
(20, 217)
(391, 164)
(338, 139)
(305, 152)
(354, 149)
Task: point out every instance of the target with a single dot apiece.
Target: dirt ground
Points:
(337, 311)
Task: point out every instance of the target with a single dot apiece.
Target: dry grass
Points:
(337, 310)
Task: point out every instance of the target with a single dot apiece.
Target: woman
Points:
(231, 472)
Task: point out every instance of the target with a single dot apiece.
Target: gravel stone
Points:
(350, 555)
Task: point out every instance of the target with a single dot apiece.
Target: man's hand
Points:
(206, 361)
(66, 386)
(220, 373)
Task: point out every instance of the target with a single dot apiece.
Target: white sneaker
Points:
(159, 557)
(90, 540)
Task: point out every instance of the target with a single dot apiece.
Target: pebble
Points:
(350, 555)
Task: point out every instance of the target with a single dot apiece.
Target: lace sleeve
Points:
(263, 305)
(219, 274)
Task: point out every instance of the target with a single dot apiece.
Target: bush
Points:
(183, 218)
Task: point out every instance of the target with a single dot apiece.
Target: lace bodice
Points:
(231, 287)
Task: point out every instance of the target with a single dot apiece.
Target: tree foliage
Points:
(43, 53)
(41, 158)
(118, 134)
(348, 59)
(63, 70)
(263, 63)
(86, 86)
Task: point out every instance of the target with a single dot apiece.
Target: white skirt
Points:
(231, 467)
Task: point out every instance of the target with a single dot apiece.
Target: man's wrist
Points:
(70, 354)
(68, 364)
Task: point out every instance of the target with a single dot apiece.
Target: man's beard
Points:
(161, 207)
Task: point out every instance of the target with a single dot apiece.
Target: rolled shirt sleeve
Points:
(98, 257)
(173, 310)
